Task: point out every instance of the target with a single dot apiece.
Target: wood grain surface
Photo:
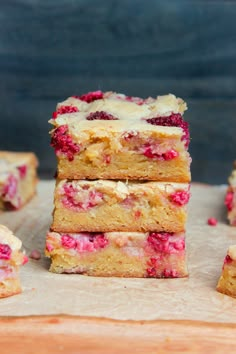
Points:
(87, 335)
(53, 49)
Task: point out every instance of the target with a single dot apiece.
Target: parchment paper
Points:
(138, 299)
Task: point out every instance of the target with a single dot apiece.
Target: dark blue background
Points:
(53, 49)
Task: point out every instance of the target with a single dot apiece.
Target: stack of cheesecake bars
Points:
(122, 186)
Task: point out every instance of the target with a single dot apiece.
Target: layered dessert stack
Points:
(122, 186)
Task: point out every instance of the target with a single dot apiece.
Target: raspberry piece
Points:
(169, 155)
(91, 96)
(179, 245)
(212, 221)
(229, 200)
(169, 273)
(151, 272)
(149, 151)
(62, 142)
(139, 101)
(68, 242)
(228, 259)
(10, 188)
(35, 254)
(174, 120)
(25, 260)
(107, 159)
(100, 241)
(161, 242)
(22, 171)
(101, 115)
(137, 214)
(5, 251)
(64, 110)
(49, 247)
(54, 115)
(180, 198)
(80, 199)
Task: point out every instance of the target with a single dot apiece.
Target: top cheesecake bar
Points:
(114, 136)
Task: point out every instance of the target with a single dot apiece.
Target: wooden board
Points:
(180, 315)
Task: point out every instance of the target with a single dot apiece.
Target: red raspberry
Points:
(62, 142)
(91, 96)
(166, 156)
(212, 221)
(101, 115)
(63, 110)
(180, 198)
(229, 200)
(162, 242)
(159, 241)
(5, 251)
(100, 241)
(35, 254)
(10, 188)
(174, 120)
(25, 260)
(68, 242)
(228, 259)
(22, 171)
(151, 272)
(169, 273)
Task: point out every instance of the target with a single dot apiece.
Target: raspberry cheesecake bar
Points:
(227, 281)
(104, 205)
(18, 179)
(119, 254)
(230, 198)
(11, 258)
(113, 136)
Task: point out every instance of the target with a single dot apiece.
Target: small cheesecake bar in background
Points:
(113, 136)
(18, 179)
(230, 198)
(105, 206)
(227, 281)
(118, 254)
(11, 258)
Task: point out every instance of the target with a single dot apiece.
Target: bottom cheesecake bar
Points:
(227, 281)
(118, 254)
(11, 258)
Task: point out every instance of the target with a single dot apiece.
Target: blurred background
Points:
(50, 50)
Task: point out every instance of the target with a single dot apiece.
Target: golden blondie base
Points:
(18, 179)
(125, 166)
(227, 282)
(157, 255)
(106, 206)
